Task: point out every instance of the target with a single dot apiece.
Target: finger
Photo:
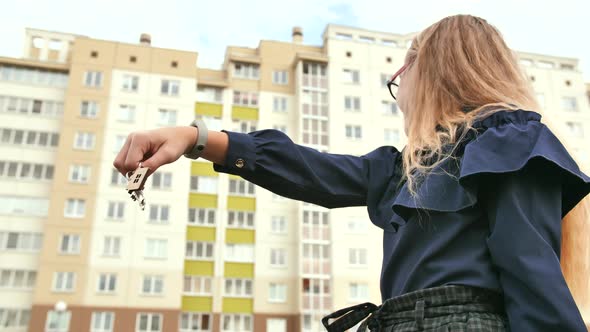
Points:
(161, 157)
(119, 162)
(135, 154)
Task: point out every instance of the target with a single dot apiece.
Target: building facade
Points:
(211, 252)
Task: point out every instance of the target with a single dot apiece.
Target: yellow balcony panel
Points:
(238, 270)
(240, 236)
(208, 109)
(237, 305)
(195, 233)
(198, 268)
(196, 200)
(244, 113)
(204, 169)
(241, 203)
(197, 303)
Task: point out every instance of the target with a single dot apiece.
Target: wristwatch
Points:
(201, 143)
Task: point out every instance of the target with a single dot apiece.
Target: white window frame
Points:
(353, 132)
(150, 321)
(62, 318)
(204, 184)
(202, 216)
(246, 70)
(170, 88)
(279, 104)
(22, 241)
(84, 141)
(89, 109)
(153, 281)
(75, 208)
(111, 246)
(236, 323)
(278, 257)
(239, 252)
(167, 117)
(159, 248)
(358, 292)
(92, 79)
(72, 244)
(100, 323)
(238, 287)
(350, 76)
(128, 110)
(277, 293)
(110, 283)
(280, 77)
(198, 285)
(199, 250)
(391, 136)
(116, 210)
(61, 280)
(278, 225)
(389, 108)
(245, 98)
(159, 214)
(130, 83)
(8, 279)
(241, 187)
(191, 317)
(575, 129)
(161, 180)
(79, 173)
(569, 104)
(241, 219)
(357, 257)
(352, 103)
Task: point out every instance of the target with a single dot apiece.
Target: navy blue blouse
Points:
(489, 218)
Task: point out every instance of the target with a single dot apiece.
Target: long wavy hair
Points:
(462, 63)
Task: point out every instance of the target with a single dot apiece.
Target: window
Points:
(24, 206)
(277, 293)
(148, 322)
(23, 242)
(391, 136)
(111, 246)
(204, 184)
(566, 66)
(244, 126)
(159, 214)
(58, 321)
(545, 64)
(575, 129)
(352, 104)
(130, 83)
(107, 283)
(79, 173)
(102, 321)
(358, 292)
(279, 104)
(569, 104)
(69, 244)
(278, 224)
(280, 77)
(170, 88)
(33, 76)
(93, 79)
(209, 94)
(196, 285)
(116, 210)
(241, 187)
(389, 108)
(156, 248)
(240, 219)
(365, 39)
(199, 250)
(17, 279)
(75, 208)
(383, 80)
(236, 322)
(201, 217)
(89, 109)
(25, 171)
(278, 257)
(343, 36)
(350, 76)
(195, 322)
(357, 225)
(126, 113)
(353, 132)
(166, 117)
(213, 123)
(84, 141)
(152, 285)
(246, 70)
(388, 42)
(357, 256)
(243, 98)
(63, 281)
(28, 138)
(237, 287)
(161, 180)
(14, 318)
(242, 253)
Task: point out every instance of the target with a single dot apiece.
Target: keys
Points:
(135, 183)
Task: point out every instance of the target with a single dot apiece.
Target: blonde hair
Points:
(463, 62)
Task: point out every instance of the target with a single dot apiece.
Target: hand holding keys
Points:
(135, 184)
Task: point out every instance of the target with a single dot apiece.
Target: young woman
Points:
(471, 208)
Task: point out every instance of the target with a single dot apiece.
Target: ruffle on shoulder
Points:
(506, 141)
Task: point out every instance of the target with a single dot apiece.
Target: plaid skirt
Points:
(451, 308)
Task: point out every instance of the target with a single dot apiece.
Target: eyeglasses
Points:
(393, 83)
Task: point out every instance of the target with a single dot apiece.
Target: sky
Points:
(559, 28)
